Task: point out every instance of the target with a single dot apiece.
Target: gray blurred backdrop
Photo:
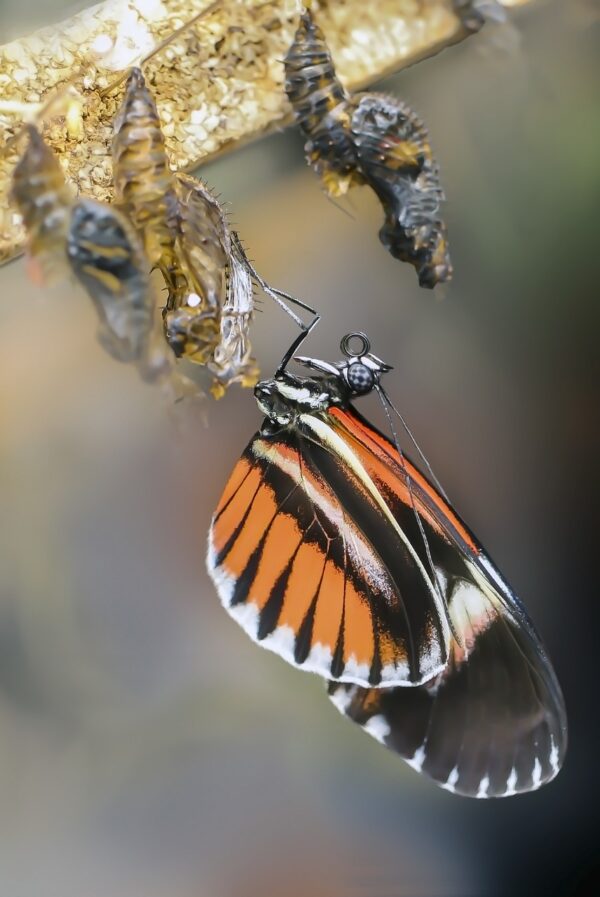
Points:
(147, 748)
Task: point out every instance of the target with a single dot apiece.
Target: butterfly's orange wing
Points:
(308, 557)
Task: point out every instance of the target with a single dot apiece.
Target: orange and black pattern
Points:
(370, 139)
(492, 724)
(332, 549)
(292, 547)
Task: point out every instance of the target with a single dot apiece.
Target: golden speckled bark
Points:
(217, 84)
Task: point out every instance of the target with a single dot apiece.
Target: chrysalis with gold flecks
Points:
(320, 104)
(101, 248)
(370, 139)
(142, 176)
(44, 199)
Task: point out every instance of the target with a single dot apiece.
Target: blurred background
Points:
(147, 747)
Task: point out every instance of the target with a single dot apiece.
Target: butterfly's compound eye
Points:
(361, 379)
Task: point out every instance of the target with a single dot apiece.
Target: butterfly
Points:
(332, 549)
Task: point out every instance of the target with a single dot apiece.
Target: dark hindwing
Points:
(493, 723)
(492, 726)
(307, 557)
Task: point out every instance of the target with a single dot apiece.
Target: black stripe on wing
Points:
(388, 628)
(412, 612)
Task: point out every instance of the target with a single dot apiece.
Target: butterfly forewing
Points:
(309, 558)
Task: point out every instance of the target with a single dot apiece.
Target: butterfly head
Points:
(359, 373)
(286, 396)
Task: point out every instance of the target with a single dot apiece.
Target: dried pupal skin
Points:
(208, 323)
(181, 223)
(186, 235)
(142, 177)
(233, 361)
(370, 139)
(192, 315)
(107, 258)
(44, 199)
(204, 237)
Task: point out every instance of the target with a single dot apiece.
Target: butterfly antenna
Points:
(296, 344)
(387, 405)
(422, 455)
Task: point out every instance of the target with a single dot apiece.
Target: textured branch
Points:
(218, 84)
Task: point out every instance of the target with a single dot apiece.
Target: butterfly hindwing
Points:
(490, 727)
(493, 723)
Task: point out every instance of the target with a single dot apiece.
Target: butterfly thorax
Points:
(284, 398)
